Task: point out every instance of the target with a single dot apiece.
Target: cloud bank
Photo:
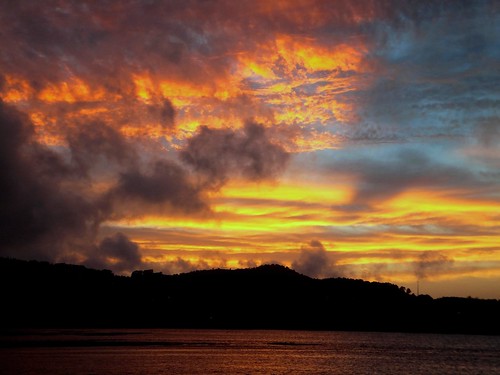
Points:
(55, 202)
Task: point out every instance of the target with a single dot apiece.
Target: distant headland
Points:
(40, 294)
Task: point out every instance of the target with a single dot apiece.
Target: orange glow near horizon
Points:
(271, 219)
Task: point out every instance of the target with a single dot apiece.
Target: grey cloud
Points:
(369, 132)
(487, 131)
(181, 265)
(314, 261)
(103, 41)
(90, 143)
(484, 147)
(431, 263)
(165, 183)
(117, 252)
(247, 263)
(221, 153)
(377, 271)
(167, 114)
(378, 180)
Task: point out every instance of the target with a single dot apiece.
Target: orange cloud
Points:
(74, 90)
(16, 90)
(306, 52)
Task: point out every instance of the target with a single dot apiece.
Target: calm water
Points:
(245, 352)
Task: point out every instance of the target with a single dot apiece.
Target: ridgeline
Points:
(39, 294)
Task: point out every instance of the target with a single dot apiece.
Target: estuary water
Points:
(208, 352)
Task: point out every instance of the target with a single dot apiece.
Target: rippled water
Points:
(245, 352)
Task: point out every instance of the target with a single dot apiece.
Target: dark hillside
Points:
(39, 294)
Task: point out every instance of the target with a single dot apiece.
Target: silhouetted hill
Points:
(39, 294)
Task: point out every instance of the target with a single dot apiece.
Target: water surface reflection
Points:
(245, 352)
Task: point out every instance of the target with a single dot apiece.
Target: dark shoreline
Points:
(272, 297)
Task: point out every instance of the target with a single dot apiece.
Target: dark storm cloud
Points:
(221, 153)
(54, 200)
(116, 251)
(50, 209)
(166, 183)
(98, 142)
(42, 204)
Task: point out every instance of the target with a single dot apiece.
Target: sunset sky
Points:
(340, 138)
